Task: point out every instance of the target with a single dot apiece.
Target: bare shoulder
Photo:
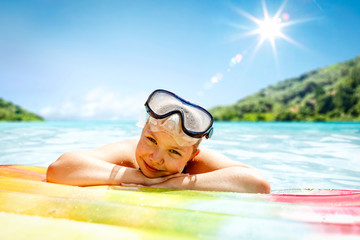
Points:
(210, 160)
(120, 153)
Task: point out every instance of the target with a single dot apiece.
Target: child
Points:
(167, 155)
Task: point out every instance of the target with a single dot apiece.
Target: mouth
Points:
(151, 169)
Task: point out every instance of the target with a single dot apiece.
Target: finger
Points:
(157, 186)
(131, 185)
(178, 175)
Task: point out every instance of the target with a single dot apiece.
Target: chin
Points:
(153, 175)
(150, 173)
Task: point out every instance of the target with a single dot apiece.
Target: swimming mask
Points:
(196, 122)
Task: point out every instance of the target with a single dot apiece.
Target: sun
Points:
(269, 28)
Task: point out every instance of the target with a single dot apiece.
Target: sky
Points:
(99, 60)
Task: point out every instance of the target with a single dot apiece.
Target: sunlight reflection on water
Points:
(296, 155)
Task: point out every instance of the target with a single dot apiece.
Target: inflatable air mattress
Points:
(31, 208)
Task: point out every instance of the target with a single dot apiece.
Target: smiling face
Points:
(158, 154)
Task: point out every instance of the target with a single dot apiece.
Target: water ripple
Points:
(290, 155)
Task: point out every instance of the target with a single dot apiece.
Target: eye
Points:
(174, 152)
(152, 140)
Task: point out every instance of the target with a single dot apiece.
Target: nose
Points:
(157, 157)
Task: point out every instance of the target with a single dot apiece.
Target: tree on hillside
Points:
(345, 97)
(12, 112)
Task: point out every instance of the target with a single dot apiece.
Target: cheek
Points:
(176, 165)
(141, 149)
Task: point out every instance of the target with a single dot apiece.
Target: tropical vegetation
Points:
(12, 112)
(328, 94)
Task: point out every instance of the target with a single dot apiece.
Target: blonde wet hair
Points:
(172, 126)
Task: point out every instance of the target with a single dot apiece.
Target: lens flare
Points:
(214, 80)
(238, 57)
(235, 60)
(219, 76)
(286, 16)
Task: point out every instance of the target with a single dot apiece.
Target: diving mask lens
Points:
(196, 121)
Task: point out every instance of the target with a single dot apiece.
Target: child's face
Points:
(158, 154)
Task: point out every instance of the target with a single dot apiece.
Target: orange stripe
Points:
(21, 172)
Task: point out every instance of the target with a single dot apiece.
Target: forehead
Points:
(165, 139)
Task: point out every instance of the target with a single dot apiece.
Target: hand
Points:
(182, 181)
(142, 180)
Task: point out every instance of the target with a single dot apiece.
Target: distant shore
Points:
(11, 112)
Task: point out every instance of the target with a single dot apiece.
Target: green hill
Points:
(328, 94)
(12, 112)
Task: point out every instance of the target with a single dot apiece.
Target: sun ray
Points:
(272, 41)
(258, 45)
(289, 23)
(292, 41)
(238, 26)
(280, 10)
(248, 16)
(266, 15)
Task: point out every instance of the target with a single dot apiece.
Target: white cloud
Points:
(97, 104)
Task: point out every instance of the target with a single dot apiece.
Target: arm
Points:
(212, 171)
(232, 179)
(100, 166)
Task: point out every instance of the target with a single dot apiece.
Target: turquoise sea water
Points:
(290, 155)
